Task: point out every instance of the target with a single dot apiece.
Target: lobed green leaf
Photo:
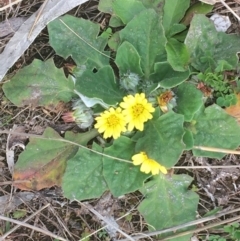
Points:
(120, 176)
(162, 139)
(168, 202)
(39, 84)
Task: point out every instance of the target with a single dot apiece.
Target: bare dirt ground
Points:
(50, 214)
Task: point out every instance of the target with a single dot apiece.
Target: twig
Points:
(37, 18)
(213, 149)
(10, 5)
(46, 232)
(2, 238)
(189, 224)
(203, 167)
(223, 3)
(105, 220)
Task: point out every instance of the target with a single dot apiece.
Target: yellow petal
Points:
(163, 169)
(138, 159)
(145, 167)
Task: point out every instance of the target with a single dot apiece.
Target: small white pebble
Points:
(222, 23)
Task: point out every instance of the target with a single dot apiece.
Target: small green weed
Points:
(232, 233)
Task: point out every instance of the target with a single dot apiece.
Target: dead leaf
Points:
(11, 25)
(43, 162)
(14, 141)
(234, 110)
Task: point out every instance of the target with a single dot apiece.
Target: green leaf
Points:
(128, 59)
(166, 76)
(83, 176)
(207, 46)
(114, 41)
(106, 6)
(174, 11)
(43, 162)
(146, 34)
(188, 139)
(40, 83)
(215, 128)
(115, 22)
(168, 202)
(78, 38)
(157, 5)
(101, 85)
(120, 176)
(177, 55)
(81, 138)
(176, 28)
(126, 10)
(189, 100)
(162, 139)
(197, 8)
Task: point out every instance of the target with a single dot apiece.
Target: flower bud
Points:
(81, 114)
(130, 81)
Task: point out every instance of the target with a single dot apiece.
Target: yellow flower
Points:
(148, 165)
(137, 110)
(111, 122)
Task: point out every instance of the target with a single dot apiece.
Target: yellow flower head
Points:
(137, 110)
(111, 122)
(148, 165)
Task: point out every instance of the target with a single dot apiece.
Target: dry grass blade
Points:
(189, 224)
(10, 5)
(220, 150)
(223, 3)
(106, 221)
(33, 228)
(2, 238)
(37, 17)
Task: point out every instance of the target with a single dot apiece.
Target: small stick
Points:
(25, 220)
(46, 232)
(213, 149)
(10, 5)
(37, 18)
(223, 3)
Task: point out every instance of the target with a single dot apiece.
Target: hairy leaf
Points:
(120, 176)
(43, 162)
(78, 38)
(207, 46)
(100, 85)
(166, 76)
(162, 139)
(83, 178)
(189, 100)
(127, 9)
(174, 11)
(38, 84)
(146, 34)
(215, 128)
(128, 59)
(177, 55)
(168, 202)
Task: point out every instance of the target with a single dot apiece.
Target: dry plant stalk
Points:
(10, 4)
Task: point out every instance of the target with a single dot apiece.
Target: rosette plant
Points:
(134, 88)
